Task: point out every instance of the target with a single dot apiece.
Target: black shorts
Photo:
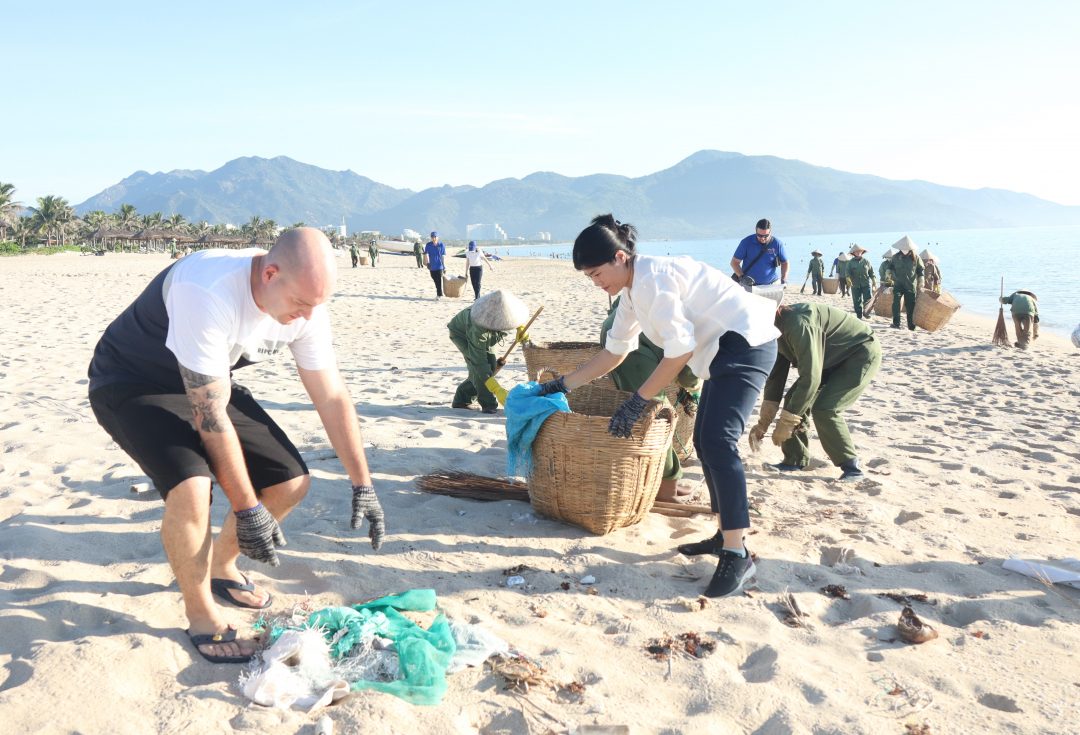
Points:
(157, 430)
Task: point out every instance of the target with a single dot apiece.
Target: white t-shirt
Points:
(215, 325)
(475, 257)
(685, 306)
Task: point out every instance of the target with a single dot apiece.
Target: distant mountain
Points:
(279, 188)
(709, 194)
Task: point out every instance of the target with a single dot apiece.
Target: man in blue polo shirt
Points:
(772, 258)
(434, 252)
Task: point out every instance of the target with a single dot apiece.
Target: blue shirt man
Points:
(435, 251)
(773, 256)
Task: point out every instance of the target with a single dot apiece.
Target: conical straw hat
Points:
(857, 248)
(927, 255)
(844, 257)
(816, 252)
(905, 244)
(889, 253)
(500, 311)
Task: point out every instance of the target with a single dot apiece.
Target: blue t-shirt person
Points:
(766, 269)
(435, 255)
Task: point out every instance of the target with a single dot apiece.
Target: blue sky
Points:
(418, 94)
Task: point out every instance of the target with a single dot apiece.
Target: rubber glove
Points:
(848, 281)
(553, 386)
(522, 335)
(785, 427)
(918, 285)
(365, 505)
(765, 418)
(626, 416)
(257, 533)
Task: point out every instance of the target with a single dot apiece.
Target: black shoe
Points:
(785, 467)
(708, 546)
(852, 471)
(731, 571)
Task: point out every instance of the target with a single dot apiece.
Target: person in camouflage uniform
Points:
(860, 278)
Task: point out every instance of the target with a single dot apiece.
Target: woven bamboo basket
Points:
(561, 358)
(453, 286)
(830, 285)
(363, 259)
(584, 476)
(883, 305)
(934, 310)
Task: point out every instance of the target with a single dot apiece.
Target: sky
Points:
(420, 94)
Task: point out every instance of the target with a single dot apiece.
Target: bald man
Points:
(161, 385)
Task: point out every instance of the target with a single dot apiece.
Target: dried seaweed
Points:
(836, 590)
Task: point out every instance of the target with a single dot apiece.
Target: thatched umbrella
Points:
(260, 241)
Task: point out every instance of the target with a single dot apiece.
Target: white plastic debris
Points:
(589, 579)
(140, 487)
(325, 726)
(1063, 571)
(515, 581)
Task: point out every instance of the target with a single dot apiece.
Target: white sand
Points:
(975, 445)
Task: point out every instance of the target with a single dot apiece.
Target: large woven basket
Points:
(883, 305)
(584, 476)
(363, 259)
(453, 286)
(561, 358)
(830, 285)
(934, 310)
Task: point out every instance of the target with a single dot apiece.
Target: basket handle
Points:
(657, 410)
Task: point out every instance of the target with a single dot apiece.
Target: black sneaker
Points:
(708, 546)
(731, 571)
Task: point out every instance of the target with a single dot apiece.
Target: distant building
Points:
(485, 232)
(341, 228)
(542, 236)
(369, 233)
(410, 235)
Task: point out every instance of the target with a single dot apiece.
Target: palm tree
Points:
(200, 228)
(21, 228)
(253, 226)
(269, 229)
(175, 222)
(297, 224)
(155, 220)
(126, 216)
(51, 214)
(9, 209)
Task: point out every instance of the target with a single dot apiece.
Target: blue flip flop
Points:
(221, 587)
(227, 637)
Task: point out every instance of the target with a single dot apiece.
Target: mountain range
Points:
(711, 194)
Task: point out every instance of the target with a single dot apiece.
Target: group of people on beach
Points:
(161, 384)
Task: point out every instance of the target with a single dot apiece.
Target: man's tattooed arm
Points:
(208, 397)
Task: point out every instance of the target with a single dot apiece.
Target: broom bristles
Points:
(1001, 334)
(456, 484)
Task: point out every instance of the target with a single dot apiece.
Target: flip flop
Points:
(227, 637)
(220, 588)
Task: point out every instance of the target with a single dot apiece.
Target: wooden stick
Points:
(523, 331)
(683, 506)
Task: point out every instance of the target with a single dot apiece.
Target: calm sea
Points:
(1038, 259)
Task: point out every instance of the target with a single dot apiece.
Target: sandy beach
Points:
(973, 453)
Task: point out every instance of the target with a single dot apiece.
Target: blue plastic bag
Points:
(525, 411)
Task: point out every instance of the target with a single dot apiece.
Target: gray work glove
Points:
(257, 533)
(626, 416)
(366, 505)
(553, 386)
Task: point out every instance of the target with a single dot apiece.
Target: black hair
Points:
(764, 224)
(601, 240)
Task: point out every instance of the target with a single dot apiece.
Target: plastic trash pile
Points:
(316, 659)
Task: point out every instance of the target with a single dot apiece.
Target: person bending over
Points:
(836, 356)
(476, 331)
(705, 320)
(161, 386)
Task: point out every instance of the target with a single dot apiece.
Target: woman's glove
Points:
(553, 386)
(257, 533)
(689, 401)
(624, 419)
(785, 427)
(366, 505)
(765, 417)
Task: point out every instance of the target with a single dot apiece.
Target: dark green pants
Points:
(631, 375)
(908, 295)
(841, 386)
(473, 388)
(419, 261)
(860, 295)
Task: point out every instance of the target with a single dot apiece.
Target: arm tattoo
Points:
(208, 397)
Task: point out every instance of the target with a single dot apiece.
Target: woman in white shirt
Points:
(702, 319)
(476, 259)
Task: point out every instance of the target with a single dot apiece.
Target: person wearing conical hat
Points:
(931, 271)
(836, 359)
(860, 278)
(373, 252)
(418, 252)
(816, 271)
(906, 271)
(883, 269)
(354, 251)
(476, 331)
(841, 264)
(638, 366)
(1025, 313)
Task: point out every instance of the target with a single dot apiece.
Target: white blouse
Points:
(475, 257)
(685, 306)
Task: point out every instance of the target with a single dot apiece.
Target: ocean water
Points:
(973, 262)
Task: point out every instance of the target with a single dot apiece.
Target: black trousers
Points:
(817, 285)
(476, 272)
(437, 277)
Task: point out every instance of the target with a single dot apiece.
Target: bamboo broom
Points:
(1001, 334)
